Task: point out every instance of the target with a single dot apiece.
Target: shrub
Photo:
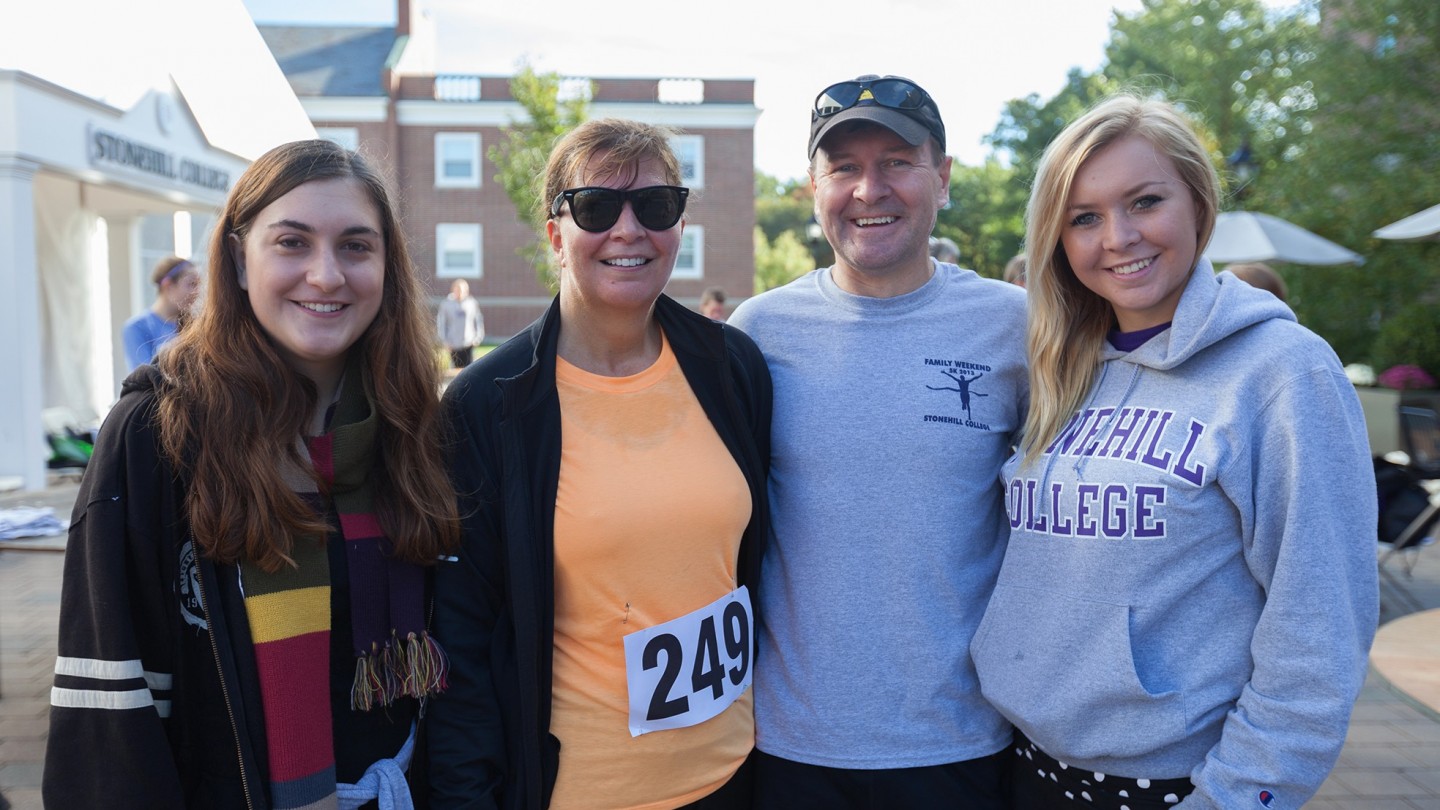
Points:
(1410, 338)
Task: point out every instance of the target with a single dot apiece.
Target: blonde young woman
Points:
(1189, 593)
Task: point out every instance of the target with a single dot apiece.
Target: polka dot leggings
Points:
(1041, 782)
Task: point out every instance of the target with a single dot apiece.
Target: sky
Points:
(971, 55)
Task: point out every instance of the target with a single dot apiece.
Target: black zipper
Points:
(224, 690)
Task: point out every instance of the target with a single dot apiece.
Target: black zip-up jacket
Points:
(157, 697)
(150, 709)
(489, 734)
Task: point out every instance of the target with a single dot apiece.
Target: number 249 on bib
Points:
(689, 669)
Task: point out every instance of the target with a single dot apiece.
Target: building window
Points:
(457, 160)
(690, 261)
(458, 250)
(575, 88)
(681, 91)
(348, 137)
(690, 150)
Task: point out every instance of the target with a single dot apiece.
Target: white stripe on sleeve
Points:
(96, 699)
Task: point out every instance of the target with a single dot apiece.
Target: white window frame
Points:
(348, 137)
(695, 235)
(680, 144)
(470, 236)
(467, 141)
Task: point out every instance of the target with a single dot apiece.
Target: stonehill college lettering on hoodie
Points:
(1190, 586)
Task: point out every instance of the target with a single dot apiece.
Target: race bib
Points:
(689, 669)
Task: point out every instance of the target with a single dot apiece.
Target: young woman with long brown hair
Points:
(243, 617)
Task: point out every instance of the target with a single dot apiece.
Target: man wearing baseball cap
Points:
(899, 387)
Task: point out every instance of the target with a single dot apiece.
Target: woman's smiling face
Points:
(623, 268)
(313, 263)
(1131, 233)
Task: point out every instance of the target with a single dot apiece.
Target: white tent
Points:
(1424, 225)
(112, 120)
(1246, 236)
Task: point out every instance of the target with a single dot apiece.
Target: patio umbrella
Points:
(1424, 225)
(1246, 236)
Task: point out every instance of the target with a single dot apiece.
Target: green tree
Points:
(986, 216)
(1371, 157)
(520, 158)
(788, 206)
(779, 261)
(1028, 124)
(1238, 65)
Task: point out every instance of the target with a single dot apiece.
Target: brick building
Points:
(373, 89)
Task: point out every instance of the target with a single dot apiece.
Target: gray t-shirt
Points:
(892, 419)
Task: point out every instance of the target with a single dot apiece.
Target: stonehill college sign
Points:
(110, 149)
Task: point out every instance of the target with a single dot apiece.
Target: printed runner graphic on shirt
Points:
(1149, 437)
(958, 376)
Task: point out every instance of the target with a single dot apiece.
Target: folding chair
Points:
(1420, 436)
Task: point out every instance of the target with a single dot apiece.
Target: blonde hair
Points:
(1067, 322)
(621, 146)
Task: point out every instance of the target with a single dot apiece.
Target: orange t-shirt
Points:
(648, 519)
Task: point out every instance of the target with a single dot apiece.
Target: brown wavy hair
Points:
(232, 411)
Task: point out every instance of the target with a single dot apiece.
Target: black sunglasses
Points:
(897, 94)
(596, 209)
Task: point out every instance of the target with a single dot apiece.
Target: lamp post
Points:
(1242, 164)
(815, 241)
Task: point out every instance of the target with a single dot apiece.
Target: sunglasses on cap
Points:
(596, 209)
(897, 94)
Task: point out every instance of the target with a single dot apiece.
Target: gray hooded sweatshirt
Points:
(1190, 585)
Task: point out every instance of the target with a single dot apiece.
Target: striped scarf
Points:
(289, 613)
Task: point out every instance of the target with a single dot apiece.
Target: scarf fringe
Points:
(416, 667)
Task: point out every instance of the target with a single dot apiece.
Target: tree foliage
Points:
(1235, 64)
(788, 206)
(1028, 124)
(1337, 102)
(985, 216)
(779, 261)
(520, 158)
(1371, 157)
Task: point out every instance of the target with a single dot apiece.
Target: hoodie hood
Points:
(1212, 308)
(145, 379)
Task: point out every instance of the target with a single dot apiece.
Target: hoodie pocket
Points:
(1062, 668)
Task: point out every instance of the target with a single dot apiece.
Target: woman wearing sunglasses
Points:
(611, 463)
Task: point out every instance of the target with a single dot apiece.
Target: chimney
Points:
(402, 18)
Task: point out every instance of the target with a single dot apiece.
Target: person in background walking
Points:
(243, 613)
(460, 324)
(944, 249)
(1015, 271)
(712, 303)
(177, 284)
(1189, 592)
(1261, 275)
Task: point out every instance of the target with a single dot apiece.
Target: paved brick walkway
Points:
(1391, 759)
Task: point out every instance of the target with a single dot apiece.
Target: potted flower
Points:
(1407, 352)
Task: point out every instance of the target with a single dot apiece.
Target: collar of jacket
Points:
(688, 332)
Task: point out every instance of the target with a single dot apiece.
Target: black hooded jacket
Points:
(489, 735)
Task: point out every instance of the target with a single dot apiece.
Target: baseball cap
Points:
(894, 102)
